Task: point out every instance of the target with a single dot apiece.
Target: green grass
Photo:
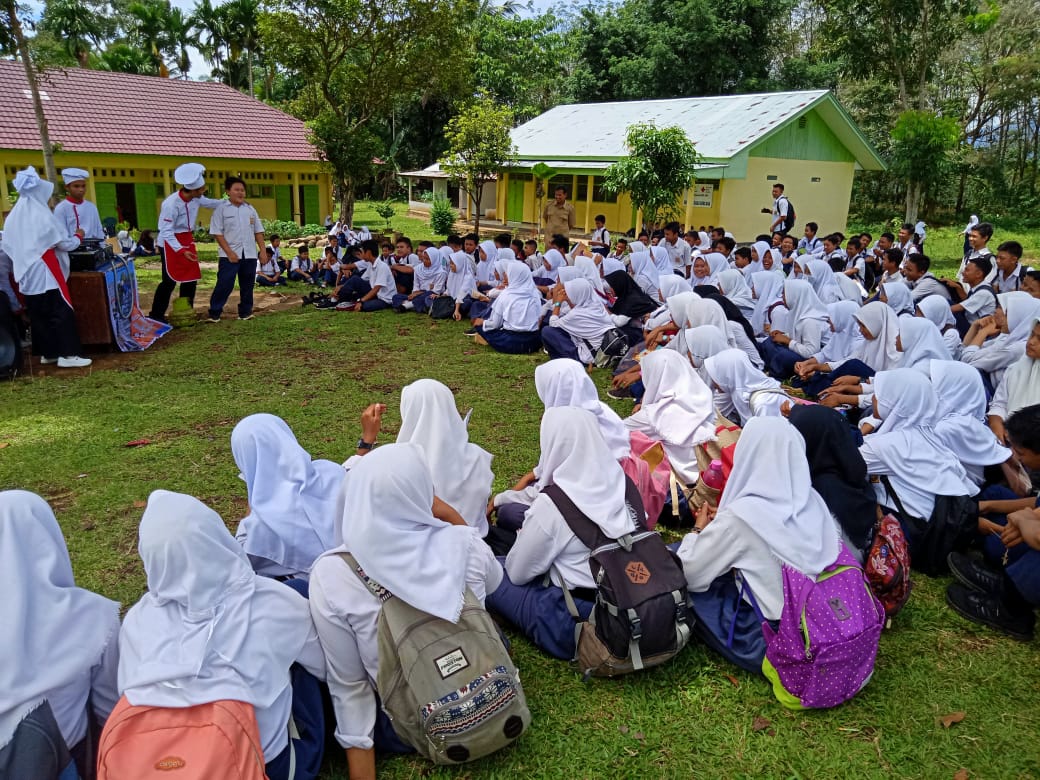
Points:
(65, 437)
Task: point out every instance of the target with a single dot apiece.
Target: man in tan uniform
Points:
(557, 215)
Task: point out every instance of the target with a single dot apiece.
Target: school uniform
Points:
(1010, 283)
(387, 526)
(928, 285)
(973, 254)
(981, 302)
(995, 356)
(239, 225)
(60, 642)
(810, 246)
(679, 254)
(577, 334)
(602, 235)
(809, 330)
(80, 215)
(302, 265)
(513, 325)
(575, 458)
(269, 268)
(750, 392)
(209, 629)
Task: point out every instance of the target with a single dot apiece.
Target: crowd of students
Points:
(866, 397)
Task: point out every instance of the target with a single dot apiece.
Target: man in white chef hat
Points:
(180, 261)
(79, 216)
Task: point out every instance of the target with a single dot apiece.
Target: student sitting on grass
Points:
(578, 333)
(428, 279)
(268, 274)
(59, 645)
(514, 324)
(302, 269)
(370, 286)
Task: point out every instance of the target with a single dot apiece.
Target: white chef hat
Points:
(70, 175)
(190, 176)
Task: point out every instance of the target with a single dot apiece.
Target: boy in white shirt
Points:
(600, 241)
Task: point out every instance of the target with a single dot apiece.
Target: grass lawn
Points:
(64, 436)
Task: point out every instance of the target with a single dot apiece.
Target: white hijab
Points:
(661, 260)
(432, 274)
(732, 372)
(880, 353)
(899, 297)
(30, 229)
(292, 499)
(588, 317)
(850, 288)
(612, 264)
(565, 382)
(962, 414)
(387, 518)
(461, 470)
(803, 303)
(759, 250)
(846, 338)
(768, 288)
(921, 342)
(460, 281)
(705, 241)
(733, 285)
(589, 270)
(637, 246)
(576, 459)
(643, 265)
(1021, 310)
(770, 489)
(677, 406)
(717, 263)
(1023, 382)
(672, 284)
(520, 302)
(54, 632)
(208, 628)
(937, 310)
(821, 277)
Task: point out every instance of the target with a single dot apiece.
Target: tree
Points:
(149, 27)
(358, 60)
(921, 147)
(81, 27)
(660, 165)
(479, 146)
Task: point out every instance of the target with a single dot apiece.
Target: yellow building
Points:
(804, 140)
(131, 132)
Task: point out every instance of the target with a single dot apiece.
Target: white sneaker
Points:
(74, 362)
(48, 361)
(408, 305)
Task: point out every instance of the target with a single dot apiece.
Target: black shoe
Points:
(471, 332)
(989, 611)
(975, 574)
(326, 303)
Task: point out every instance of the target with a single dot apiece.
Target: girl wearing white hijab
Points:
(768, 291)
(676, 410)
(759, 251)
(292, 499)
(460, 284)
(701, 343)
(578, 333)
(672, 284)
(824, 282)
(937, 311)
(209, 629)
(769, 517)
(513, 327)
(704, 311)
(960, 420)
(920, 342)
(590, 271)
(994, 343)
(733, 285)
(566, 383)
(59, 644)
(38, 246)
(487, 256)
(809, 326)
(662, 260)
(879, 351)
(898, 296)
(575, 458)
(907, 450)
(429, 276)
(461, 470)
(385, 515)
(646, 274)
(1020, 386)
(752, 393)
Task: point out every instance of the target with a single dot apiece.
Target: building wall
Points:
(819, 190)
(277, 189)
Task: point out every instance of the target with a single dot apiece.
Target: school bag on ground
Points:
(822, 654)
(952, 526)
(450, 689)
(888, 566)
(216, 740)
(442, 308)
(612, 348)
(641, 617)
(37, 749)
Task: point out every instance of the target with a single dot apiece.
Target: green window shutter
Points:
(105, 191)
(311, 205)
(283, 202)
(146, 196)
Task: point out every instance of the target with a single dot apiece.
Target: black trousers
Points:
(161, 301)
(53, 324)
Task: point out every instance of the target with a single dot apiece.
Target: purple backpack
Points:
(823, 652)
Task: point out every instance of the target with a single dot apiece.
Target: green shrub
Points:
(386, 210)
(442, 216)
(288, 229)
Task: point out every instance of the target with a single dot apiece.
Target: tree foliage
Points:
(479, 146)
(660, 165)
(921, 147)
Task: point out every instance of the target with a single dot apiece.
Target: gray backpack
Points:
(450, 689)
(37, 750)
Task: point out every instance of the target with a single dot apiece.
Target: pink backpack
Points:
(647, 466)
(216, 740)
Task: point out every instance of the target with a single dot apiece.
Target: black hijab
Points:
(839, 473)
(733, 314)
(631, 300)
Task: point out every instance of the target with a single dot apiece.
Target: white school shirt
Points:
(301, 264)
(346, 616)
(546, 544)
(679, 253)
(239, 226)
(974, 253)
(178, 216)
(859, 262)
(269, 268)
(993, 358)
(980, 304)
(83, 215)
(1010, 283)
(813, 335)
(380, 275)
(601, 234)
(928, 285)
(780, 209)
(812, 246)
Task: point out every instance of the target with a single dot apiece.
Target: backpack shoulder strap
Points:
(587, 531)
(895, 497)
(374, 587)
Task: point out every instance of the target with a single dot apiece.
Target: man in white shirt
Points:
(237, 228)
(369, 288)
(1010, 270)
(906, 243)
(781, 208)
(79, 215)
(679, 251)
(600, 241)
(810, 243)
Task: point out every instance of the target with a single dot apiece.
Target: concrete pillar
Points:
(5, 200)
(689, 207)
(167, 178)
(296, 198)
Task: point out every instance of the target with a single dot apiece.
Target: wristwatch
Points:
(364, 445)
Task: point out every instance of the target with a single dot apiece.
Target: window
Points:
(600, 195)
(260, 191)
(558, 181)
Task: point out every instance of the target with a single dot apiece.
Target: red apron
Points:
(50, 259)
(178, 267)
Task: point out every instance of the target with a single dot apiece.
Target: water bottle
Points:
(714, 477)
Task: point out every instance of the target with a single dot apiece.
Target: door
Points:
(515, 201)
(310, 205)
(105, 192)
(146, 197)
(283, 202)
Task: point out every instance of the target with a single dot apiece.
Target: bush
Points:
(442, 216)
(288, 229)
(386, 210)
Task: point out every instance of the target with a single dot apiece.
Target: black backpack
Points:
(641, 617)
(37, 749)
(952, 527)
(612, 348)
(791, 218)
(10, 341)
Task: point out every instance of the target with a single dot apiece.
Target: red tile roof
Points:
(119, 113)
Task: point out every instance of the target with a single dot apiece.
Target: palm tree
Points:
(242, 19)
(81, 27)
(180, 32)
(211, 28)
(125, 58)
(148, 25)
